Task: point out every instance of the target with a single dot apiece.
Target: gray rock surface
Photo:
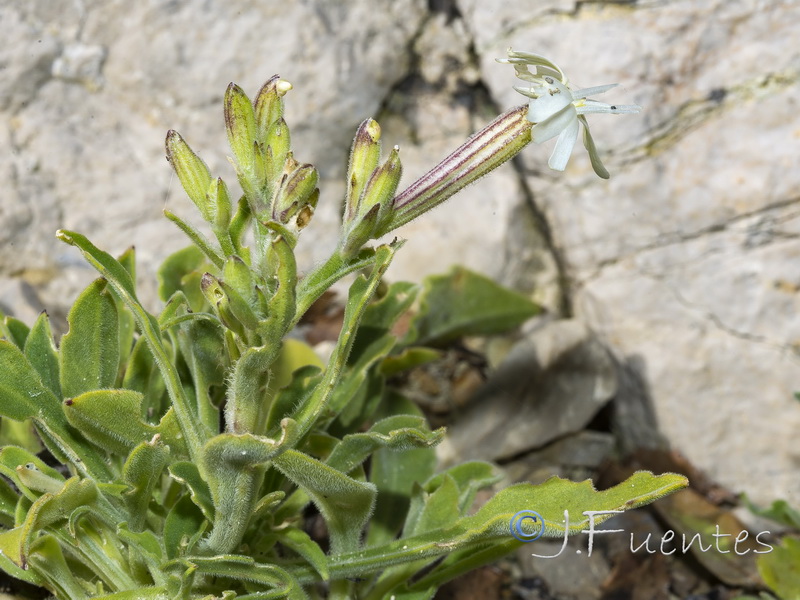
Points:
(549, 386)
(686, 260)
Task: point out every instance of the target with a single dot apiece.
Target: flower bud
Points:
(364, 157)
(192, 173)
(493, 145)
(240, 124)
(295, 192)
(360, 232)
(238, 275)
(220, 202)
(381, 187)
(277, 143)
(216, 296)
(269, 105)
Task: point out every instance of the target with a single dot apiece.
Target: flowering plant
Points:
(192, 447)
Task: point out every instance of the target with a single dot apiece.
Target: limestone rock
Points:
(551, 384)
(686, 260)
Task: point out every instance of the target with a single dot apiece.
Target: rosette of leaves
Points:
(177, 455)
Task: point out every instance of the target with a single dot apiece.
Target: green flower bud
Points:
(295, 192)
(381, 187)
(237, 274)
(361, 231)
(240, 124)
(192, 173)
(269, 104)
(216, 296)
(364, 157)
(220, 202)
(277, 143)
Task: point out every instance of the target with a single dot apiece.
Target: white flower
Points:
(556, 108)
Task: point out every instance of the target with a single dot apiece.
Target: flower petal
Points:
(593, 91)
(552, 125)
(588, 143)
(530, 92)
(593, 106)
(564, 145)
(547, 104)
(543, 66)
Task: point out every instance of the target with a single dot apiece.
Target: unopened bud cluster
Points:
(370, 189)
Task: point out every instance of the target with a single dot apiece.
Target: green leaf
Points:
(779, 511)
(40, 350)
(16, 331)
(24, 396)
(20, 433)
(398, 433)
(304, 381)
(139, 368)
(47, 510)
(8, 502)
(142, 471)
(11, 458)
(779, 568)
(181, 271)
(89, 352)
(231, 464)
(27, 575)
(245, 568)
(470, 477)
(359, 387)
(47, 560)
(120, 279)
(466, 303)
(188, 474)
(441, 508)
(127, 323)
(147, 545)
(345, 503)
(294, 355)
(202, 345)
(299, 541)
(395, 474)
(184, 525)
(406, 360)
(110, 418)
(102, 261)
(491, 524)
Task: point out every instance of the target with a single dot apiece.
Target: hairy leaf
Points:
(89, 353)
(466, 303)
(345, 503)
